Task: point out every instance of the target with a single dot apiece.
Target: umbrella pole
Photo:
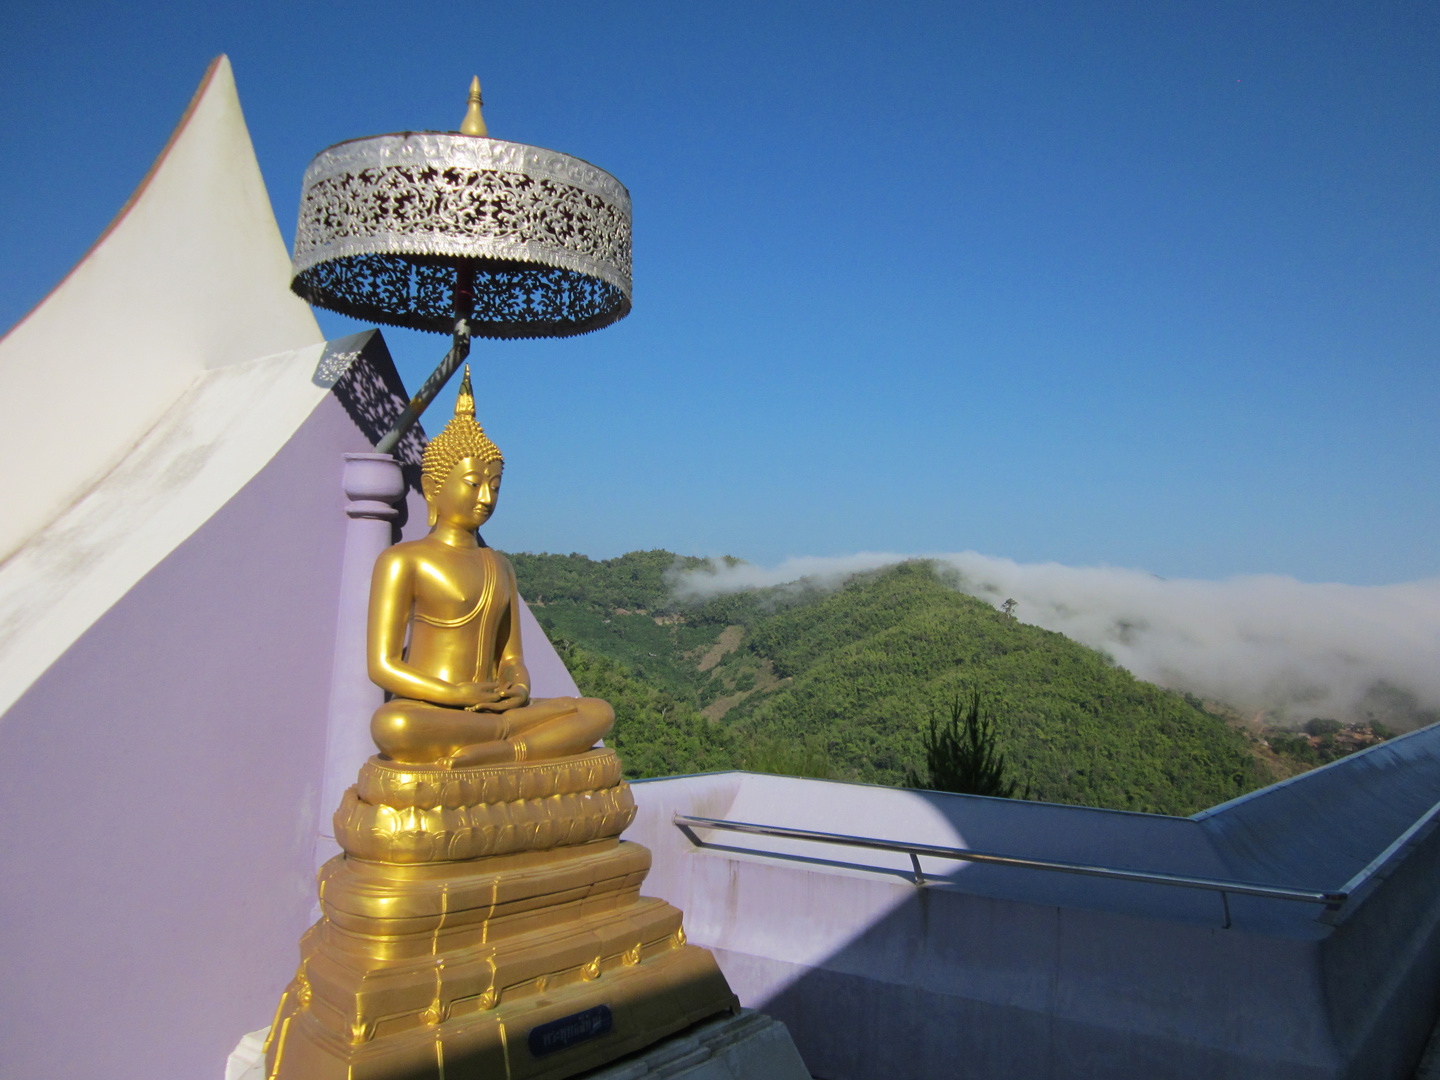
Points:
(463, 299)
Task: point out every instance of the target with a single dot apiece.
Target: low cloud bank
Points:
(1264, 644)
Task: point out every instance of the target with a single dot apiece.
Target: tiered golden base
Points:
(443, 970)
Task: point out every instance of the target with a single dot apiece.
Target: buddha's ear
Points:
(429, 487)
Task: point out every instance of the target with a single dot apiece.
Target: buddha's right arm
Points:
(391, 596)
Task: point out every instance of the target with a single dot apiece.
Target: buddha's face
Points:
(467, 497)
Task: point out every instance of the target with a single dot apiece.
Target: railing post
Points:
(915, 862)
(374, 485)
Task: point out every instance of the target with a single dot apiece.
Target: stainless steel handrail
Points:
(1329, 899)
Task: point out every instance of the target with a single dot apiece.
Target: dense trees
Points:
(842, 682)
(655, 734)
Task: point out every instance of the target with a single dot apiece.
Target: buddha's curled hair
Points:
(461, 438)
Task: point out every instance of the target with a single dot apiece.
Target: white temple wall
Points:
(998, 972)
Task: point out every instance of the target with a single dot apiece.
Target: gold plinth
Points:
(538, 963)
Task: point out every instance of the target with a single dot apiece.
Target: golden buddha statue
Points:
(462, 694)
(486, 917)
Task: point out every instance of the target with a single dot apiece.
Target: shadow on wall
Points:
(950, 984)
(955, 983)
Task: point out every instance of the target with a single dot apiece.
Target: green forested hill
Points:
(841, 682)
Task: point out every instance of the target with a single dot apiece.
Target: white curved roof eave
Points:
(120, 449)
(192, 275)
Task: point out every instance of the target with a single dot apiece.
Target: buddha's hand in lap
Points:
(496, 696)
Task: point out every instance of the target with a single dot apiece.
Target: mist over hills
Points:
(839, 677)
(1268, 645)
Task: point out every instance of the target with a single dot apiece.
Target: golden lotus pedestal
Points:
(487, 923)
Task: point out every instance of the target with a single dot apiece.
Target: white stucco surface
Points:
(191, 277)
(217, 435)
(150, 385)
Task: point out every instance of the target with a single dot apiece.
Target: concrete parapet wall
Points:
(1380, 970)
(1329, 823)
(1380, 967)
(1004, 972)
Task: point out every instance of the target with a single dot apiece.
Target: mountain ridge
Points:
(841, 681)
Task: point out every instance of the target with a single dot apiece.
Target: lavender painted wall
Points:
(159, 786)
(160, 783)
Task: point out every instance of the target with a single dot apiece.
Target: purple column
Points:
(373, 484)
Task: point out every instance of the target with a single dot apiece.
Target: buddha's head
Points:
(460, 471)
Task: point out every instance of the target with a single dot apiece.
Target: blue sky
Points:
(1146, 285)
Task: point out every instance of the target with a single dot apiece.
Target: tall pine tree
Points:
(963, 755)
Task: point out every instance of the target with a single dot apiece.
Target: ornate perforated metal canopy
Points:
(460, 233)
(389, 225)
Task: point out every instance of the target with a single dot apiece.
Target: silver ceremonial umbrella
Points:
(455, 232)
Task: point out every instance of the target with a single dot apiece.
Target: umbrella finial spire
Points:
(474, 123)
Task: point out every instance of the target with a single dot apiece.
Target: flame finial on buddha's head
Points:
(461, 438)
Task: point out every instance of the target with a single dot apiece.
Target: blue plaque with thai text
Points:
(568, 1030)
